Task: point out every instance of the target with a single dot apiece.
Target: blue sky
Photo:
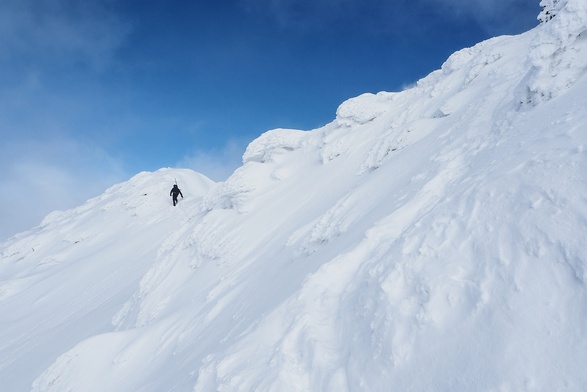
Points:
(95, 91)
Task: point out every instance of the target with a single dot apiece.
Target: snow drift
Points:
(431, 239)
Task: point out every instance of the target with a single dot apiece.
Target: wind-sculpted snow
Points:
(363, 109)
(558, 54)
(429, 239)
(274, 142)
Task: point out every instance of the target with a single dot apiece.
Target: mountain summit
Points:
(429, 239)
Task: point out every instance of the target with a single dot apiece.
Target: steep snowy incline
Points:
(452, 258)
(431, 239)
(60, 281)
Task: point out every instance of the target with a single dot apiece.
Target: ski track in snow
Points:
(430, 239)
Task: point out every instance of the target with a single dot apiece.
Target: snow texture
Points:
(427, 240)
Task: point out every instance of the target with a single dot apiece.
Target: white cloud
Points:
(309, 14)
(44, 163)
(38, 177)
(495, 16)
(217, 164)
(399, 16)
(60, 31)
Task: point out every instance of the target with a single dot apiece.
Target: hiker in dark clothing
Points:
(174, 192)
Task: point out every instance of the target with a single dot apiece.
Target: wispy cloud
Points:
(37, 177)
(495, 16)
(219, 164)
(45, 163)
(300, 14)
(60, 31)
(312, 15)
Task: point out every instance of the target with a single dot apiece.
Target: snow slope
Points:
(431, 239)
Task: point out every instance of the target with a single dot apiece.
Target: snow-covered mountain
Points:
(432, 239)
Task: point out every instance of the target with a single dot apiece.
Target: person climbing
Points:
(174, 192)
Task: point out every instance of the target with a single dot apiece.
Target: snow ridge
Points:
(429, 239)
